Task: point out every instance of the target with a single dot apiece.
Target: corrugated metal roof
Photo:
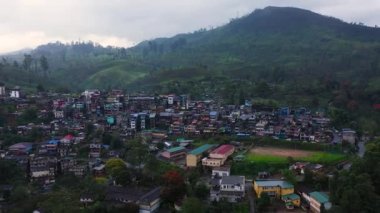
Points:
(201, 149)
(175, 149)
(291, 197)
(320, 197)
(281, 183)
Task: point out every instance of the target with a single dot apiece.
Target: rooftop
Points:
(176, 149)
(320, 197)
(223, 149)
(201, 149)
(281, 183)
(291, 197)
(233, 180)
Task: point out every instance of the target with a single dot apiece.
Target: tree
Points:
(118, 170)
(20, 193)
(263, 201)
(289, 176)
(40, 88)
(201, 191)
(174, 186)
(192, 205)
(10, 172)
(27, 62)
(44, 64)
(137, 153)
(356, 190)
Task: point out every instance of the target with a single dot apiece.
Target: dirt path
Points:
(280, 152)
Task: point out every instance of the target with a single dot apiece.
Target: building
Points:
(43, 169)
(148, 200)
(95, 150)
(349, 136)
(174, 153)
(15, 93)
(67, 140)
(274, 188)
(20, 149)
(195, 156)
(291, 200)
(2, 89)
(78, 170)
(219, 156)
(231, 188)
(221, 171)
(317, 200)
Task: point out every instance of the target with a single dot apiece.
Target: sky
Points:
(28, 23)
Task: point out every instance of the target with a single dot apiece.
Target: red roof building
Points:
(223, 151)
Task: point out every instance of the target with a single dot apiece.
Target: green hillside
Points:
(274, 55)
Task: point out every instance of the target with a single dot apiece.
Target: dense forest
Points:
(275, 56)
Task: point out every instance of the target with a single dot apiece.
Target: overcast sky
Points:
(28, 23)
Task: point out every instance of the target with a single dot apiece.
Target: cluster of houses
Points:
(282, 190)
(177, 115)
(155, 118)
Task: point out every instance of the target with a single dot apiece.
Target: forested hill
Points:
(283, 55)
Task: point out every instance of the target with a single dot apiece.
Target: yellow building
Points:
(194, 157)
(292, 199)
(274, 188)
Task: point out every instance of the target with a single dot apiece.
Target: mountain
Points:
(276, 55)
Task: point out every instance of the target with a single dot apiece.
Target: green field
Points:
(316, 157)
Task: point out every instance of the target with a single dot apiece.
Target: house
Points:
(291, 200)
(20, 148)
(150, 202)
(274, 188)
(317, 200)
(86, 199)
(194, 156)
(148, 199)
(67, 140)
(78, 170)
(349, 136)
(43, 169)
(221, 171)
(231, 188)
(174, 153)
(2, 89)
(59, 114)
(99, 170)
(218, 156)
(15, 93)
(95, 150)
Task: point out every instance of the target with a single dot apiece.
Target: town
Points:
(162, 153)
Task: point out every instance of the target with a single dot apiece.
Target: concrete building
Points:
(317, 200)
(195, 156)
(274, 188)
(231, 188)
(221, 171)
(219, 156)
(174, 153)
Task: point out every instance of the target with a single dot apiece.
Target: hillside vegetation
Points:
(274, 55)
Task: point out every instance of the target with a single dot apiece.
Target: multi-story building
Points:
(274, 188)
(219, 156)
(195, 156)
(231, 188)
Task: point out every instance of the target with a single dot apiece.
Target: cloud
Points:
(27, 23)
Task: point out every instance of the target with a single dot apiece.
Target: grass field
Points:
(279, 155)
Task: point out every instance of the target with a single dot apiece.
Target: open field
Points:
(280, 155)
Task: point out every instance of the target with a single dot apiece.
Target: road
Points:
(251, 196)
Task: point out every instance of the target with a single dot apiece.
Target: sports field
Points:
(280, 155)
